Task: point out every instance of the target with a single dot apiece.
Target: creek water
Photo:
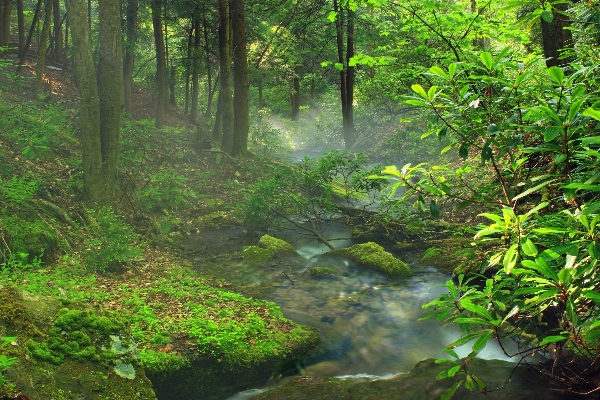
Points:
(369, 323)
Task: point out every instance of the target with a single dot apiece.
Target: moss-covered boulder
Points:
(322, 271)
(277, 246)
(67, 350)
(421, 384)
(257, 255)
(374, 256)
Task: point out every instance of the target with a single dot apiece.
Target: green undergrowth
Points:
(173, 317)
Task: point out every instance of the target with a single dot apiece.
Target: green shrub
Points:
(112, 240)
(166, 189)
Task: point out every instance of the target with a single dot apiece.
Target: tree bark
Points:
(23, 54)
(110, 90)
(225, 99)
(89, 104)
(241, 116)
(130, 45)
(41, 58)
(58, 33)
(161, 78)
(195, 68)
(349, 134)
(208, 111)
(556, 37)
(339, 23)
(21, 24)
(188, 68)
(217, 133)
(296, 94)
(5, 14)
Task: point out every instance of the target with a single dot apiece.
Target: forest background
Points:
(492, 108)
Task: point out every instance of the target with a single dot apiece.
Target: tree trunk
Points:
(225, 99)
(349, 134)
(89, 104)
(217, 133)
(58, 33)
(161, 78)
(195, 68)
(41, 59)
(23, 54)
(296, 94)
(21, 23)
(188, 69)
(261, 99)
(110, 90)
(339, 23)
(241, 116)
(66, 47)
(556, 37)
(5, 14)
(208, 68)
(130, 45)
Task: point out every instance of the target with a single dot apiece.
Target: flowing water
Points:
(369, 323)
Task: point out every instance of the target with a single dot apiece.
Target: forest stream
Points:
(369, 322)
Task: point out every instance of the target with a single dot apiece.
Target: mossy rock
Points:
(321, 271)
(65, 350)
(257, 255)
(277, 246)
(214, 220)
(421, 384)
(375, 257)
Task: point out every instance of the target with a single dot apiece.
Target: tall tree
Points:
(5, 13)
(241, 116)
(161, 63)
(21, 24)
(556, 35)
(58, 33)
(41, 58)
(99, 118)
(195, 66)
(225, 101)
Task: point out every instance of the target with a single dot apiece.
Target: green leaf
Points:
(332, 16)
(592, 295)
(451, 352)
(463, 204)
(542, 267)
(439, 72)
(418, 89)
(467, 304)
(433, 209)
(487, 60)
(482, 342)
(416, 102)
(510, 258)
(514, 311)
(553, 339)
(528, 247)
(547, 16)
(594, 250)
(469, 383)
(590, 140)
(551, 133)
(339, 66)
(486, 152)
(478, 321)
(462, 340)
(480, 384)
(450, 392)
(431, 189)
(574, 109)
(432, 93)
(590, 112)
(452, 371)
(557, 75)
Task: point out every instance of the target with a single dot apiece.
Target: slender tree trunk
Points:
(225, 99)
(195, 68)
(25, 50)
(41, 59)
(21, 23)
(89, 104)
(66, 47)
(556, 37)
(241, 116)
(110, 90)
(261, 99)
(130, 45)
(188, 68)
(5, 14)
(296, 94)
(2, 20)
(161, 79)
(349, 134)
(169, 63)
(58, 33)
(339, 23)
(217, 133)
(208, 68)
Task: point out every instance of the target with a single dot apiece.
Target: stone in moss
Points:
(277, 246)
(320, 271)
(375, 257)
(257, 254)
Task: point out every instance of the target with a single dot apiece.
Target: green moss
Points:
(320, 271)
(375, 257)
(277, 246)
(257, 254)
